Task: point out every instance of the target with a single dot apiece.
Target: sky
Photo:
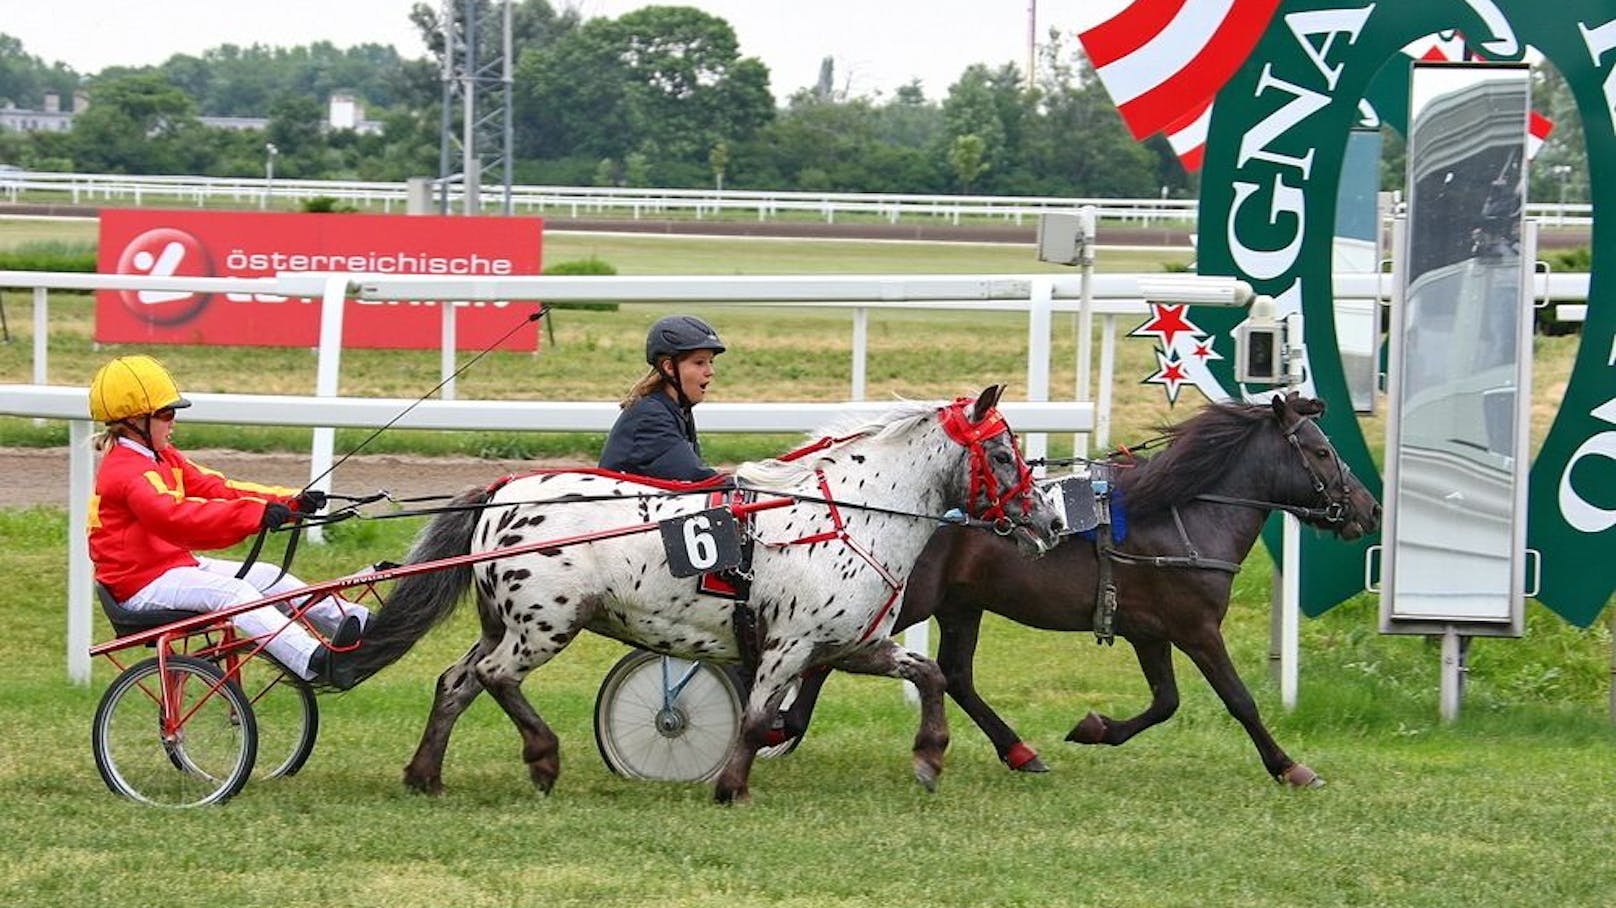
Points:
(878, 45)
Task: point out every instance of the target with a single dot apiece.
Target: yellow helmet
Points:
(132, 386)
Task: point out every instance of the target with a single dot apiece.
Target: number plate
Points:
(1074, 497)
(702, 542)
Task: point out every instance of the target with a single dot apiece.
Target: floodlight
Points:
(1196, 290)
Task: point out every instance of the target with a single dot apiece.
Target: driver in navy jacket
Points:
(655, 435)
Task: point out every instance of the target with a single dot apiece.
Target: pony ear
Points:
(986, 401)
(1281, 405)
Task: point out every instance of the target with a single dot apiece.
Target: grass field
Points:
(1508, 806)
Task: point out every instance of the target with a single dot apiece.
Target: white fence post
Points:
(328, 369)
(81, 479)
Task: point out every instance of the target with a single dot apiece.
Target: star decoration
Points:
(1203, 351)
(1167, 322)
(1170, 374)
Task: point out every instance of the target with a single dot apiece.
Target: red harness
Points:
(983, 484)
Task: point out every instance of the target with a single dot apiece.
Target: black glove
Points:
(309, 502)
(275, 514)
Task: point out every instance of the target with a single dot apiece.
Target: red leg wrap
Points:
(1019, 755)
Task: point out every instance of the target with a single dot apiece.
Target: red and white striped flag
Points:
(1161, 60)
(1187, 135)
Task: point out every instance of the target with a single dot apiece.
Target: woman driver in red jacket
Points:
(152, 506)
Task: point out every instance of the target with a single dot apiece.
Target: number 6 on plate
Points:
(702, 542)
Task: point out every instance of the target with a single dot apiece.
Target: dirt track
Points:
(38, 476)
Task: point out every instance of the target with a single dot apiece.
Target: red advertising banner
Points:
(254, 244)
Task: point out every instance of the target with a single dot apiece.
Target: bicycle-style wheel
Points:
(666, 719)
(286, 713)
(207, 756)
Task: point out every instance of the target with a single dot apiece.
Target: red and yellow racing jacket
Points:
(147, 515)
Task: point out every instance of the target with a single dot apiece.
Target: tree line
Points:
(660, 96)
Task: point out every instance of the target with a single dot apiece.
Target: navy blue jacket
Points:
(654, 436)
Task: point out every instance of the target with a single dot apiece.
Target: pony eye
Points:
(1003, 458)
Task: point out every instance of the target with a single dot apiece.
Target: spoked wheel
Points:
(287, 715)
(203, 754)
(663, 718)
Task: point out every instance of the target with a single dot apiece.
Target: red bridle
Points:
(983, 483)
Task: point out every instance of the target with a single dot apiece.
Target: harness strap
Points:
(839, 531)
(1194, 560)
(1331, 513)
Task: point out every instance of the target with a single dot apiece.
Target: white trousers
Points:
(212, 585)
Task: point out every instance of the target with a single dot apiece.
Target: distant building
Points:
(343, 112)
(52, 118)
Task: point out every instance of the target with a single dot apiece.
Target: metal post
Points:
(1039, 309)
(1290, 611)
(509, 137)
(1085, 321)
(1455, 650)
(471, 179)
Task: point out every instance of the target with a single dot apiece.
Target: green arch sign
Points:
(1273, 161)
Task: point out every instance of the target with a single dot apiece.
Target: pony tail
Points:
(421, 601)
(645, 387)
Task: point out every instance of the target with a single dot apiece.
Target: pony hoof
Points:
(926, 774)
(1299, 776)
(729, 796)
(1089, 731)
(429, 787)
(1033, 765)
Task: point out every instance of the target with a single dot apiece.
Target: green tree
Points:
(974, 107)
(666, 82)
(1077, 143)
(136, 124)
(967, 157)
(24, 78)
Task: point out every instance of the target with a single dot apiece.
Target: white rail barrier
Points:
(633, 202)
(72, 404)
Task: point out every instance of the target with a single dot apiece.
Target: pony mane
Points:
(776, 473)
(1202, 450)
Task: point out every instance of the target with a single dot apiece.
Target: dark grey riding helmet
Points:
(678, 334)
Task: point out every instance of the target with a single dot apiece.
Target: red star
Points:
(1170, 374)
(1203, 351)
(1167, 322)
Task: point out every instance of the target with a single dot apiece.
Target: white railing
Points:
(72, 404)
(577, 201)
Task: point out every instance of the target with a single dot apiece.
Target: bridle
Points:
(984, 485)
(1337, 497)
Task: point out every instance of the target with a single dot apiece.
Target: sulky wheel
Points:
(657, 717)
(287, 714)
(202, 753)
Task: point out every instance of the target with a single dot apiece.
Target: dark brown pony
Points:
(1208, 493)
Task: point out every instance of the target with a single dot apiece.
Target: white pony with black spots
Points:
(842, 527)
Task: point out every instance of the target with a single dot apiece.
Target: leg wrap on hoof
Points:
(1022, 758)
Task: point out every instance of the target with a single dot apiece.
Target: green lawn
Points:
(1509, 806)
